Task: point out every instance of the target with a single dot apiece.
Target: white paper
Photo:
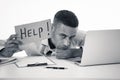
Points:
(32, 60)
(33, 32)
(20, 54)
(7, 60)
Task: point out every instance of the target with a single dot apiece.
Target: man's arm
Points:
(71, 53)
(7, 52)
(10, 47)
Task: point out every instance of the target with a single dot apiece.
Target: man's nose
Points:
(67, 42)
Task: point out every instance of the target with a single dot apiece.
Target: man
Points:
(65, 40)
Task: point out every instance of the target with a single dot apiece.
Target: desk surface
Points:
(101, 72)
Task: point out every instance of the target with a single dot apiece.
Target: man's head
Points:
(64, 29)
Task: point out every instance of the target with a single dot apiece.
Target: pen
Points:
(36, 64)
(56, 67)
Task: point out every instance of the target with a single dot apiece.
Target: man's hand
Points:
(11, 46)
(70, 53)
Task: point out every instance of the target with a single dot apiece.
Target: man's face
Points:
(62, 36)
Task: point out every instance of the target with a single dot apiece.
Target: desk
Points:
(74, 72)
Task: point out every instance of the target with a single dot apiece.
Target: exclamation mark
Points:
(48, 28)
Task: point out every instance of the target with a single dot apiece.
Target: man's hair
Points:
(67, 18)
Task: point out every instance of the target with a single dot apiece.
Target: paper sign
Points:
(33, 32)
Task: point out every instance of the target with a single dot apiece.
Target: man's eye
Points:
(72, 37)
(62, 36)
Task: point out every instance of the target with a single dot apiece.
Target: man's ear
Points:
(52, 28)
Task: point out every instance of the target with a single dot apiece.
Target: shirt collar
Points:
(52, 46)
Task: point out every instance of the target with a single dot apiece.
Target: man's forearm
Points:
(2, 52)
(71, 53)
(77, 52)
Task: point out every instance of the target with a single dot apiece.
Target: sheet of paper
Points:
(33, 60)
(7, 60)
(33, 32)
(20, 54)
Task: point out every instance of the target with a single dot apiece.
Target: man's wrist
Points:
(2, 52)
(5, 53)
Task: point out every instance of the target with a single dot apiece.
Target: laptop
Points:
(101, 47)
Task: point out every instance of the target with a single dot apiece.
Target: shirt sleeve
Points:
(43, 47)
(31, 49)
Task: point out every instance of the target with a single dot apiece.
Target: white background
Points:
(92, 14)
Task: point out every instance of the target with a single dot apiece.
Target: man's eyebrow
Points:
(63, 34)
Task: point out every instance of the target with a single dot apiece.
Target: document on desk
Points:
(7, 60)
(34, 61)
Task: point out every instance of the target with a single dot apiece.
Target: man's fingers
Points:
(14, 36)
(11, 46)
(17, 42)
